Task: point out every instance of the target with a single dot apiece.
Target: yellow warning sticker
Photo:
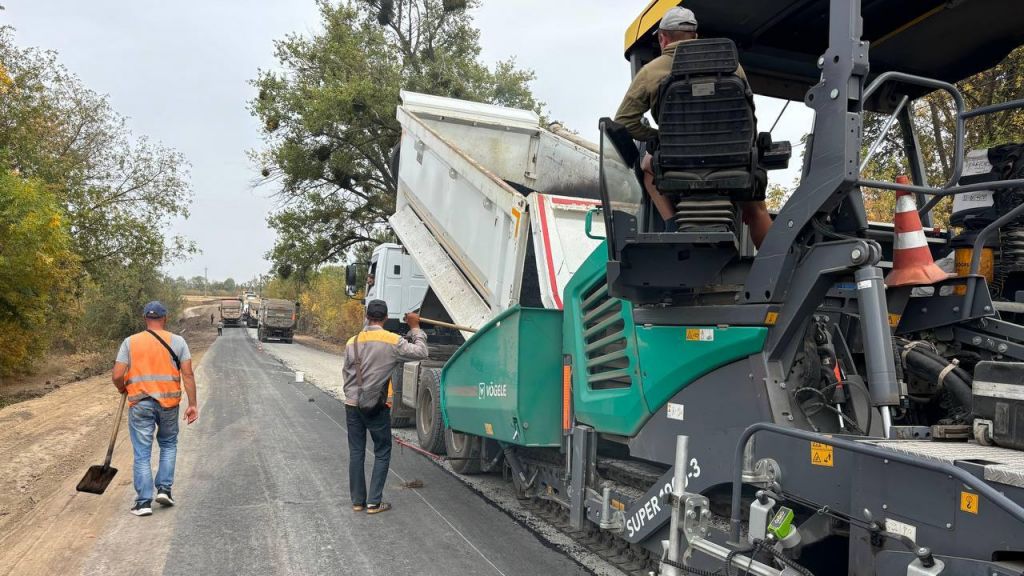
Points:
(771, 318)
(517, 215)
(618, 505)
(821, 454)
(700, 334)
(894, 320)
(488, 429)
(969, 502)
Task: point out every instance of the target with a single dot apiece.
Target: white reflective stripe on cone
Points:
(906, 204)
(915, 239)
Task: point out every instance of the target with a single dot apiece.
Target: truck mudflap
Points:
(504, 383)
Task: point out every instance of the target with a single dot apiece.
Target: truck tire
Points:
(401, 422)
(463, 452)
(429, 421)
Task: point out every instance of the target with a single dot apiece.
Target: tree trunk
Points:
(939, 145)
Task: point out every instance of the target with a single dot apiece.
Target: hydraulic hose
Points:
(933, 367)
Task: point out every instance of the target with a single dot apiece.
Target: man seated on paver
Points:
(677, 26)
(370, 359)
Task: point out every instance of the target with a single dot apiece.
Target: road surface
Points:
(262, 489)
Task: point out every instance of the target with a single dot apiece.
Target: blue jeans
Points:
(379, 428)
(144, 419)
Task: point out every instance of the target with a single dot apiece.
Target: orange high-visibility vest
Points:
(151, 370)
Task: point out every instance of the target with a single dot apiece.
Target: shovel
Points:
(98, 477)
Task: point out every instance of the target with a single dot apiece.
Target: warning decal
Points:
(700, 335)
(894, 320)
(821, 454)
(969, 502)
(488, 429)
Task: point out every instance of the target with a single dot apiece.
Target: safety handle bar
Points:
(958, 100)
(980, 486)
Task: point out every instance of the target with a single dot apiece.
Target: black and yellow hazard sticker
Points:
(821, 454)
(894, 320)
(969, 502)
(771, 318)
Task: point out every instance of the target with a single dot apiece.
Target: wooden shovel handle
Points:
(113, 435)
(447, 325)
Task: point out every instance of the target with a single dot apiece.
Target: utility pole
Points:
(206, 281)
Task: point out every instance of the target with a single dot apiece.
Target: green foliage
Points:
(113, 309)
(329, 116)
(36, 270)
(776, 196)
(327, 311)
(119, 193)
(113, 196)
(935, 124)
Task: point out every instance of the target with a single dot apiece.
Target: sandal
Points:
(378, 508)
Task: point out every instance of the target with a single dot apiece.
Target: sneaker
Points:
(142, 508)
(163, 497)
(378, 508)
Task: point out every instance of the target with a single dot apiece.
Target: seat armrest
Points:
(773, 155)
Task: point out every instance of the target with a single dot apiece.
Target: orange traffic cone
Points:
(912, 263)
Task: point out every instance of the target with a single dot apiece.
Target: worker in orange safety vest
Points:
(150, 368)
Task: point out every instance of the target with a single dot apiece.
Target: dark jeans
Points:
(379, 428)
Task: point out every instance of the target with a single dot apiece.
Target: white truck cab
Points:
(395, 278)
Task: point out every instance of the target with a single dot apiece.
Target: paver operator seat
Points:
(707, 153)
(708, 157)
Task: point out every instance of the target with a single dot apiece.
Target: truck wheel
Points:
(287, 340)
(401, 422)
(463, 451)
(429, 422)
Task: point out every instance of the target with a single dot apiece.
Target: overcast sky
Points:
(179, 71)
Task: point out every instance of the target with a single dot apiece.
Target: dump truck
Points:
(251, 310)
(683, 403)
(466, 231)
(230, 312)
(277, 320)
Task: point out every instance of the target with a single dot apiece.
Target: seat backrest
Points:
(706, 115)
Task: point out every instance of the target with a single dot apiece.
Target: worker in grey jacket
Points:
(370, 358)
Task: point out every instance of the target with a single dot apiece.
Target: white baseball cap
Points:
(679, 19)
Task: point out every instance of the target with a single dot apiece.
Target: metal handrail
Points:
(963, 476)
(954, 93)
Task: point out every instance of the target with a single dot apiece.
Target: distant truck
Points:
(251, 310)
(277, 320)
(231, 312)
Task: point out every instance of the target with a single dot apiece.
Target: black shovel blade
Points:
(96, 479)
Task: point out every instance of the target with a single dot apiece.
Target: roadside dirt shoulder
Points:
(319, 344)
(47, 443)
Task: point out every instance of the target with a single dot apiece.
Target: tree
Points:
(36, 270)
(119, 193)
(329, 118)
(115, 195)
(935, 122)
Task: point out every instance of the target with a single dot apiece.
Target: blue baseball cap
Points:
(154, 310)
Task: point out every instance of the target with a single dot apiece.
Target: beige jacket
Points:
(379, 351)
(643, 93)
